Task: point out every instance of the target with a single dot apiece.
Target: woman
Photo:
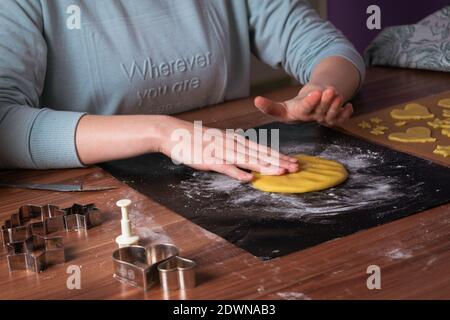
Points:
(82, 82)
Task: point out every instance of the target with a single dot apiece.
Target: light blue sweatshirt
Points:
(61, 59)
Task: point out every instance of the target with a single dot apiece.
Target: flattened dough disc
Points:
(315, 174)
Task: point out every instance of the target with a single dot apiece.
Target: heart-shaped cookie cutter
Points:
(177, 273)
(138, 265)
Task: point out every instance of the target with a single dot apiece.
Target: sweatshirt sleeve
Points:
(31, 136)
(290, 34)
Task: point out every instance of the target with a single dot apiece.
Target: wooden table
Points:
(413, 253)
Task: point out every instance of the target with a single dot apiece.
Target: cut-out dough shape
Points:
(401, 123)
(442, 151)
(315, 174)
(446, 114)
(364, 125)
(412, 111)
(444, 103)
(377, 132)
(413, 135)
(445, 124)
(446, 132)
(376, 120)
(438, 123)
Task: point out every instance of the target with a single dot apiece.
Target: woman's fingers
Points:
(267, 154)
(334, 111)
(236, 151)
(324, 107)
(345, 114)
(232, 171)
(230, 154)
(246, 158)
(327, 98)
(258, 165)
(303, 108)
(247, 161)
(270, 107)
(297, 109)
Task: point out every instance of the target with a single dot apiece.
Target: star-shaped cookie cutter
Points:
(43, 220)
(144, 266)
(35, 253)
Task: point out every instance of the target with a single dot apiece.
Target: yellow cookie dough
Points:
(444, 103)
(364, 125)
(442, 151)
(413, 135)
(376, 120)
(412, 111)
(446, 132)
(381, 128)
(400, 123)
(446, 113)
(445, 124)
(377, 132)
(438, 123)
(315, 174)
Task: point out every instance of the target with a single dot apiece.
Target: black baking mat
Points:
(384, 185)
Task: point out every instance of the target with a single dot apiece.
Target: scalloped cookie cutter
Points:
(143, 267)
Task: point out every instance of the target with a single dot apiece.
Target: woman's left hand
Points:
(313, 103)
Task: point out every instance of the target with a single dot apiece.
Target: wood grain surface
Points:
(413, 253)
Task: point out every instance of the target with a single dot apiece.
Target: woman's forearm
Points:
(336, 72)
(106, 138)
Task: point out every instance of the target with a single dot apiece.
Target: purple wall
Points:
(350, 16)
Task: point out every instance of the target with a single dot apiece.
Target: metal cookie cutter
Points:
(35, 253)
(82, 216)
(177, 273)
(32, 220)
(138, 266)
(43, 220)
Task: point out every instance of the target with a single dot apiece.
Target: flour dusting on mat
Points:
(365, 187)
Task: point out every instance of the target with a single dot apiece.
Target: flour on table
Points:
(293, 296)
(145, 227)
(399, 254)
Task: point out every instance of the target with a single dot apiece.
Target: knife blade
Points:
(56, 187)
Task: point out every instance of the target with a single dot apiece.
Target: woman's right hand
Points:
(209, 149)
